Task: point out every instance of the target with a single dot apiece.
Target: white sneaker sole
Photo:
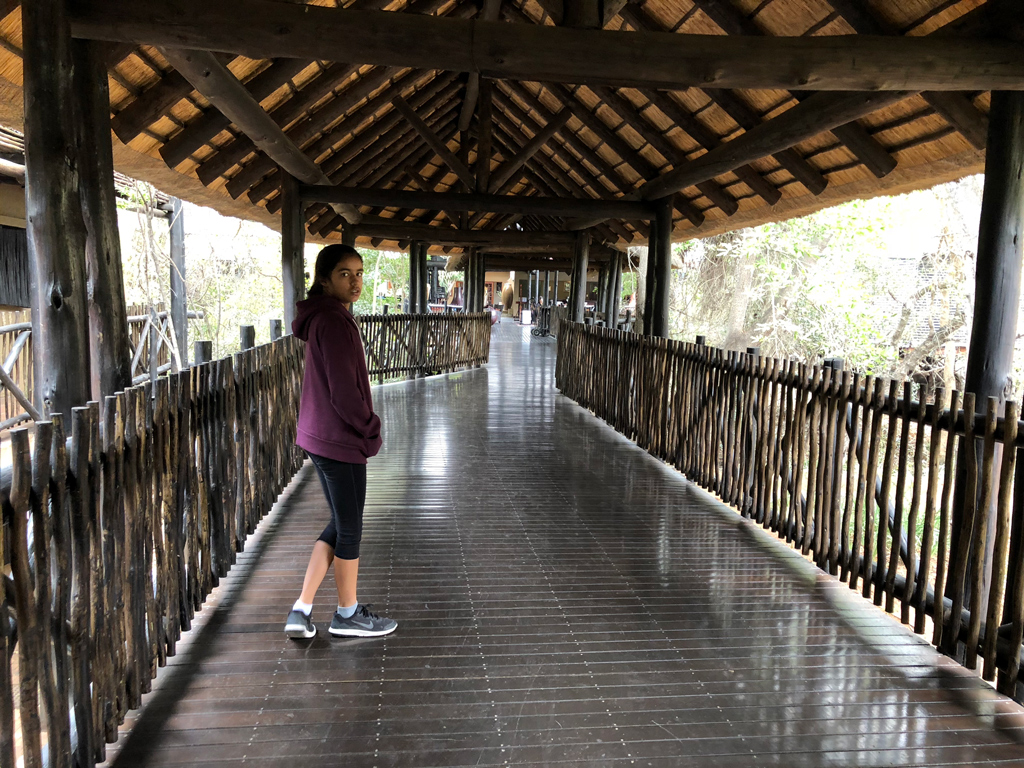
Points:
(360, 632)
(299, 632)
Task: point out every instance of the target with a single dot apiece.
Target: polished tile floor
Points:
(563, 598)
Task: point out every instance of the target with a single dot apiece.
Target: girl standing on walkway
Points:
(339, 430)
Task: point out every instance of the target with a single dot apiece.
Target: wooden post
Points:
(276, 329)
(547, 288)
(649, 283)
(469, 282)
(53, 210)
(615, 295)
(154, 347)
(110, 358)
(424, 279)
(579, 277)
(293, 241)
(202, 352)
(348, 235)
(247, 336)
(179, 299)
(997, 278)
(414, 277)
(662, 267)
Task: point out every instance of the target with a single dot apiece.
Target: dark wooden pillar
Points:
(424, 278)
(202, 352)
(293, 246)
(247, 336)
(1000, 240)
(661, 266)
(578, 290)
(53, 210)
(614, 290)
(414, 277)
(179, 299)
(110, 351)
(650, 283)
(547, 288)
(997, 288)
(348, 235)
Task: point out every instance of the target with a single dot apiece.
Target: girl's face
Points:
(346, 280)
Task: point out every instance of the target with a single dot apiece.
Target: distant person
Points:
(339, 430)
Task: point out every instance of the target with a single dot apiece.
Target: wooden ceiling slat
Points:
(431, 138)
(201, 131)
(531, 148)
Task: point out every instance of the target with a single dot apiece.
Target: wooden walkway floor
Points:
(563, 598)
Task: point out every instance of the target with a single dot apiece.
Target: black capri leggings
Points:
(345, 488)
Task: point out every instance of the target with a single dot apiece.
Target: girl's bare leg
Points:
(346, 573)
(319, 562)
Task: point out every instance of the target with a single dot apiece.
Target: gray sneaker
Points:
(299, 626)
(362, 624)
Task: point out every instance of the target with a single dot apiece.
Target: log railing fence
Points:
(15, 369)
(424, 344)
(851, 470)
(119, 520)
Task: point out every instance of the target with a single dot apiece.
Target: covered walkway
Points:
(563, 598)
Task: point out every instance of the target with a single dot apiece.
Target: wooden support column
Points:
(53, 211)
(179, 297)
(997, 285)
(110, 352)
(348, 235)
(579, 277)
(424, 279)
(547, 288)
(616, 297)
(293, 242)
(650, 282)
(414, 277)
(662, 267)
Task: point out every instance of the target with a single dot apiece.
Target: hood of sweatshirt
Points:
(310, 308)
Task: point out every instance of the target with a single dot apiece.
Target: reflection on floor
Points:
(562, 598)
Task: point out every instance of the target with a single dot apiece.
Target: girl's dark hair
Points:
(326, 261)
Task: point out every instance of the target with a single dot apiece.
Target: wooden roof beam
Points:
(582, 14)
(736, 108)
(268, 29)
(547, 176)
(955, 108)
(300, 133)
(541, 206)
(490, 12)
(226, 93)
(820, 112)
(432, 139)
(514, 164)
(204, 128)
(484, 150)
(394, 230)
(437, 91)
(864, 147)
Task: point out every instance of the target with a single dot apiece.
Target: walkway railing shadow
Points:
(860, 479)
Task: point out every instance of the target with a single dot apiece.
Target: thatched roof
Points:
(607, 142)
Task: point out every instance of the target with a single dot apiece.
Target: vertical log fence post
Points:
(247, 336)
(202, 351)
(276, 329)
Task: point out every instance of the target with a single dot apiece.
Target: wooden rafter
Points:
(820, 112)
(431, 138)
(513, 164)
(672, 61)
(865, 148)
(215, 81)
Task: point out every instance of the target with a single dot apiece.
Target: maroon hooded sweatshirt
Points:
(336, 418)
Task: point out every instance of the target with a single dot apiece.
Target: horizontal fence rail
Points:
(411, 345)
(899, 498)
(119, 522)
